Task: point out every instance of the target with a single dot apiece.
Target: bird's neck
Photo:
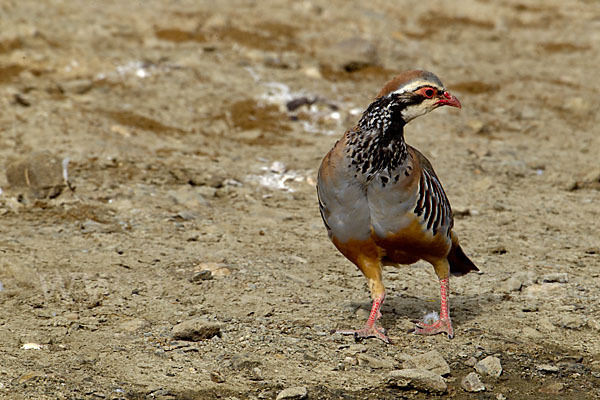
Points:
(377, 143)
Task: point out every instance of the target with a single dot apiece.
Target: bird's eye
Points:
(429, 92)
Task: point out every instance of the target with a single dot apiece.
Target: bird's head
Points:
(415, 93)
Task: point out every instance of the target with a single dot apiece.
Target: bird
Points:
(382, 202)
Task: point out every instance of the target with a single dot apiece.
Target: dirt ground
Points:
(186, 258)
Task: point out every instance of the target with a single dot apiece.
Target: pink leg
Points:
(371, 329)
(443, 325)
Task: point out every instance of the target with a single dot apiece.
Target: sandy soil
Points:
(184, 157)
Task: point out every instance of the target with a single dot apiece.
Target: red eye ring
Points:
(427, 91)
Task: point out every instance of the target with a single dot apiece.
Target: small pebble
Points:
(421, 380)
(200, 276)
(430, 361)
(196, 329)
(490, 366)
(76, 86)
(31, 346)
(547, 368)
(470, 362)
(217, 377)
(472, 383)
(572, 321)
(560, 277)
(594, 325)
(552, 388)
(293, 393)
(373, 362)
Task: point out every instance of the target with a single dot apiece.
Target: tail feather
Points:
(460, 264)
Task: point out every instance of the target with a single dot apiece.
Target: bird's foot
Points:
(443, 325)
(367, 332)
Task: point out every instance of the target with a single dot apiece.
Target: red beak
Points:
(449, 100)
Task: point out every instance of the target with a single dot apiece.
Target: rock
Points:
(572, 321)
(421, 380)
(490, 366)
(430, 361)
(512, 284)
(31, 346)
(545, 325)
(257, 374)
(544, 290)
(373, 362)
(560, 277)
(217, 377)
(471, 361)
(215, 269)
(134, 325)
(518, 281)
(593, 176)
(577, 106)
(593, 324)
(200, 276)
(552, 388)
(356, 348)
(196, 329)
(76, 86)
(244, 361)
(350, 361)
(29, 376)
(472, 383)
(42, 173)
(91, 226)
(299, 392)
(547, 368)
(532, 333)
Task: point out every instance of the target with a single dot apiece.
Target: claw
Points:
(367, 332)
(441, 326)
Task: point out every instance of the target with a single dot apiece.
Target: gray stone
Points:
(244, 361)
(572, 321)
(512, 284)
(560, 277)
(471, 361)
(490, 366)
(518, 281)
(76, 86)
(257, 374)
(421, 380)
(293, 393)
(547, 368)
(545, 325)
(552, 388)
(134, 325)
(594, 324)
(200, 276)
(472, 383)
(356, 348)
(217, 377)
(196, 329)
(41, 173)
(430, 361)
(373, 362)
(531, 333)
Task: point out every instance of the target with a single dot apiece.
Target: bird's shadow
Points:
(401, 307)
